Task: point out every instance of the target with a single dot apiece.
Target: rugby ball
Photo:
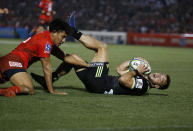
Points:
(135, 62)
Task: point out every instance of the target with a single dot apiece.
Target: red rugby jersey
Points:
(39, 45)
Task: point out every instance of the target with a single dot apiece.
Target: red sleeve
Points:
(44, 48)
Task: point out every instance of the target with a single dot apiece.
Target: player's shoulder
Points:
(42, 37)
(43, 34)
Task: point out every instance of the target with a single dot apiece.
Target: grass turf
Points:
(170, 110)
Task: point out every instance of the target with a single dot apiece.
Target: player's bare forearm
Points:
(47, 73)
(123, 68)
(48, 76)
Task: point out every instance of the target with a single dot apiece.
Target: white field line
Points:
(9, 42)
(182, 127)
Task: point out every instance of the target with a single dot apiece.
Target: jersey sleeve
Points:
(140, 86)
(44, 48)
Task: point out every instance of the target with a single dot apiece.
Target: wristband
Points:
(77, 35)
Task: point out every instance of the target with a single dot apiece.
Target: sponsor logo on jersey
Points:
(48, 48)
(15, 64)
(139, 83)
(95, 64)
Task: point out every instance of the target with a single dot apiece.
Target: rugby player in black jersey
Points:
(95, 77)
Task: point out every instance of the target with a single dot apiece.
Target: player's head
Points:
(58, 25)
(160, 81)
(58, 30)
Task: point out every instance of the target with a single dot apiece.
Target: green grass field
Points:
(168, 110)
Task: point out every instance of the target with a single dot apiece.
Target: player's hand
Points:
(58, 93)
(142, 69)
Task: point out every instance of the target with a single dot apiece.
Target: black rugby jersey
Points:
(140, 86)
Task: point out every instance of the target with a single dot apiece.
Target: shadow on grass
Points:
(84, 90)
(61, 87)
(157, 94)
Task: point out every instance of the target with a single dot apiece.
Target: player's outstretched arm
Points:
(48, 75)
(57, 52)
(75, 60)
(69, 62)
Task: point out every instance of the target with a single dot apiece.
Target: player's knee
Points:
(28, 89)
(103, 47)
(31, 90)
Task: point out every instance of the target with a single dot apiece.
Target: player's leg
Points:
(23, 81)
(100, 48)
(16, 74)
(65, 67)
(22, 84)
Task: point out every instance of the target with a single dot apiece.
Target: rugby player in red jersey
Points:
(47, 12)
(13, 66)
(45, 18)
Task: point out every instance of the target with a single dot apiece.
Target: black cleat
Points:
(39, 79)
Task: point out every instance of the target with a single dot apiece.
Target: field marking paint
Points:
(9, 42)
(121, 129)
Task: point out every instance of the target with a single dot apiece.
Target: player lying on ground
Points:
(14, 65)
(96, 78)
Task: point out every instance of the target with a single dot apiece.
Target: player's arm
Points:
(57, 52)
(48, 75)
(123, 68)
(75, 60)
(68, 58)
(127, 79)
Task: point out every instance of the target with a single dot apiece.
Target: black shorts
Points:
(94, 77)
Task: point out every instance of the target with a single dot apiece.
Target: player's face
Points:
(158, 79)
(60, 38)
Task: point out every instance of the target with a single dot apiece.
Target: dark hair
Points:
(58, 25)
(167, 84)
